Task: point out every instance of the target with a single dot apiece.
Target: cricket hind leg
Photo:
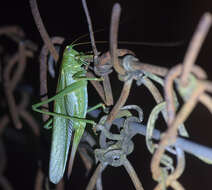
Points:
(62, 93)
(77, 138)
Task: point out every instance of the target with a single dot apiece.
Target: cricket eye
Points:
(68, 48)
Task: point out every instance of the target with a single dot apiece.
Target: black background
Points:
(141, 21)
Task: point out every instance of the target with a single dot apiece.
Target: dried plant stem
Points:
(21, 66)
(107, 90)
(114, 38)
(30, 121)
(87, 161)
(133, 175)
(157, 70)
(106, 82)
(170, 136)
(9, 84)
(43, 72)
(12, 30)
(90, 28)
(104, 60)
(60, 185)
(121, 101)
(97, 86)
(168, 88)
(42, 29)
(39, 179)
(153, 89)
(24, 114)
(95, 176)
(206, 100)
(195, 45)
(171, 180)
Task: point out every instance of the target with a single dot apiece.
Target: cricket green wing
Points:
(61, 137)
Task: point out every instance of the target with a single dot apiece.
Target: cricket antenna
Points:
(90, 30)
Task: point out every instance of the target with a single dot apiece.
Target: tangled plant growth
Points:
(112, 149)
(17, 111)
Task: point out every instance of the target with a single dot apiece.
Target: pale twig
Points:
(114, 38)
(43, 71)
(206, 100)
(171, 180)
(9, 84)
(168, 87)
(133, 175)
(195, 45)
(95, 176)
(90, 28)
(121, 101)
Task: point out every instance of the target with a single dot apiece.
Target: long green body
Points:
(70, 108)
(72, 104)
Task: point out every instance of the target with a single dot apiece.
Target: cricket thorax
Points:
(72, 60)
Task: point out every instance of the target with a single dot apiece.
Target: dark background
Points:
(141, 21)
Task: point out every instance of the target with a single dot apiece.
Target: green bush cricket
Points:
(70, 108)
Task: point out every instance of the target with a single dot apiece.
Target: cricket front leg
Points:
(105, 93)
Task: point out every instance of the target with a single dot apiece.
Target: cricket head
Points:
(73, 59)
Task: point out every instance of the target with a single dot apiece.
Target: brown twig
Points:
(97, 86)
(193, 95)
(104, 66)
(171, 76)
(195, 45)
(114, 38)
(30, 121)
(174, 122)
(8, 30)
(170, 136)
(95, 176)
(9, 84)
(206, 100)
(42, 29)
(108, 91)
(105, 58)
(107, 94)
(4, 183)
(88, 162)
(153, 89)
(22, 55)
(171, 180)
(121, 101)
(114, 60)
(24, 114)
(39, 179)
(90, 29)
(43, 71)
(60, 185)
(131, 63)
(157, 70)
(133, 175)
